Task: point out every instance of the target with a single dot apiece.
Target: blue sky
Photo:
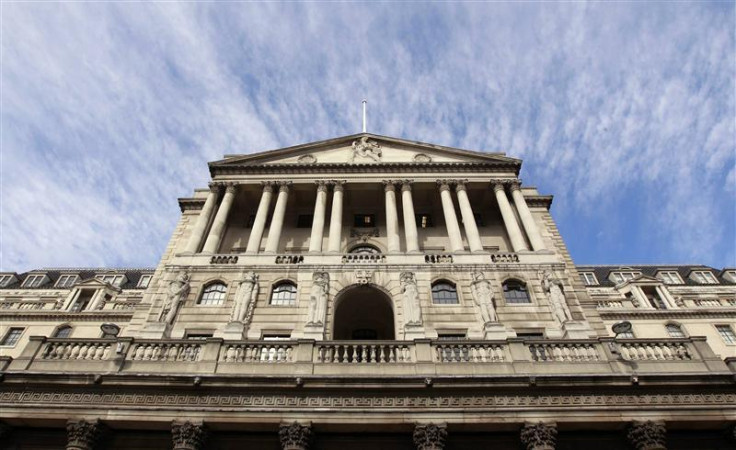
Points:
(624, 111)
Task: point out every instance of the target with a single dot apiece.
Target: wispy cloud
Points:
(624, 111)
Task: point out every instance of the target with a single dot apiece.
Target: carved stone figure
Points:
(365, 148)
(188, 436)
(430, 436)
(177, 293)
(318, 298)
(82, 435)
(539, 436)
(483, 297)
(412, 309)
(553, 287)
(295, 436)
(648, 435)
(245, 297)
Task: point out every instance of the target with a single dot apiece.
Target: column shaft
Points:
(212, 245)
(448, 208)
(195, 240)
(333, 244)
(318, 219)
(410, 225)
(277, 222)
(526, 218)
(259, 224)
(509, 220)
(471, 228)
(392, 218)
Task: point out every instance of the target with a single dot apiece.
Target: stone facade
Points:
(367, 291)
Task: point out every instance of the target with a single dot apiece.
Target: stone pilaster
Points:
(430, 436)
(539, 436)
(448, 208)
(188, 435)
(471, 228)
(648, 435)
(277, 222)
(295, 436)
(335, 237)
(259, 224)
(392, 217)
(212, 244)
(410, 224)
(195, 240)
(318, 219)
(83, 434)
(509, 219)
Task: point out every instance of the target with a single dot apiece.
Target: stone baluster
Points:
(195, 240)
(188, 435)
(448, 208)
(392, 218)
(83, 434)
(648, 435)
(509, 219)
(539, 436)
(318, 219)
(526, 217)
(471, 228)
(410, 224)
(335, 238)
(212, 244)
(430, 436)
(259, 224)
(295, 436)
(277, 222)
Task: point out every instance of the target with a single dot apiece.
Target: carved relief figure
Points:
(318, 298)
(365, 148)
(177, 293)
(412, 309)
(483, 297)
(553, 287)
(245, 296)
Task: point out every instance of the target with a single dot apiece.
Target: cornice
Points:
(92, 316)
(544, 201)
(392, 167)
(191, 204)
(711, 313)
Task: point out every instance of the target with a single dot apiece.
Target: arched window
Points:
(63, 331)
(365, 249)
(444, 293)
(213, 294)
(675, 331)
(514, 291)
(284, 294)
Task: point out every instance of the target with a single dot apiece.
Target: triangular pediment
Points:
(365, 148)
(95, 283)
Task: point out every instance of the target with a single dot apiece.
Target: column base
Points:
(496, 331)
(234, 331)
(156, 330)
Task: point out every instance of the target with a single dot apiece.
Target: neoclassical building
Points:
(366, 292)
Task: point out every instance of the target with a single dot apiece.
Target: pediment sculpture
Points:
(365, 148)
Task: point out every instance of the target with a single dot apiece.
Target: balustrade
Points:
(504, 257)
(363, 258)
(165, 351)
(289, 259)
(90, 350)
(266, 352)
(469, 352)
(564, 351)
(363, 353)
(610, 304)
(438, 258)
(655, 351)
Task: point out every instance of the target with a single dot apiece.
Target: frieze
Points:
(361, 168)
(689, 313)
(56, 315)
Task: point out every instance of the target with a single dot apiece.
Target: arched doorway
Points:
(363, 313)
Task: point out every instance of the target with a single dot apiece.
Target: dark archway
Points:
(363, 313)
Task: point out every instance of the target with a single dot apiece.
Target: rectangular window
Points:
(675, 331)
(66, 281)
(304, 221)
(620, 277)
(33, 281)
(83, 300)
(276, 336)
(144, 281)
(5, 280)
(588, 278)
(424, 221)
(12, 337)
(669, 277)
(115, 280)
(199, 336)
(365, 220)
(726, 333)
(534, 335)
(705, 277)
(451, 336)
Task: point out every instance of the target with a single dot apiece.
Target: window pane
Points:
(515, 292)
(444, 293)
(63, 332)
(284, 294)
(214, 294)
(675, 331)
(726, 333)
(12, 336)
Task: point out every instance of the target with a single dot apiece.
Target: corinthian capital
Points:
(83, 435)
(295, 436)
(338, 185)
(389, 185)
(648, 435)
(430, 436)
(406, 185)
(321, 185)
(267, 186)
(188, 435)
(215, 187)
(283, 185)
(539, 436)
(460, 185)
(515, 184)
(230, 187)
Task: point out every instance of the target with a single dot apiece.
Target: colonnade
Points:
(514, 229)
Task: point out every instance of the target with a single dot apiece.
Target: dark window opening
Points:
(304, 221)
(365, 220)
(444, 293)
(514, 291)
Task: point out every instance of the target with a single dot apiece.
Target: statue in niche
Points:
(483, 297)
(318, 298)
(177, 293)
(365, 148)
(412, 309)
(553, 287)
(245, 297)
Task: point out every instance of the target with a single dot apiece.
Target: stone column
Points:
(83, 435)
(277, 222)
(195, 240)
(410, 224)
(318, 219)
(430, 436)
(648, 435)
(259, 224)
(471, 228)
(295, 436)
(539, 436)
(212, 245)
(526, 217)
(448, 208)
(509, 220)
(335, 239)
(188, 435)
(392, 217)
